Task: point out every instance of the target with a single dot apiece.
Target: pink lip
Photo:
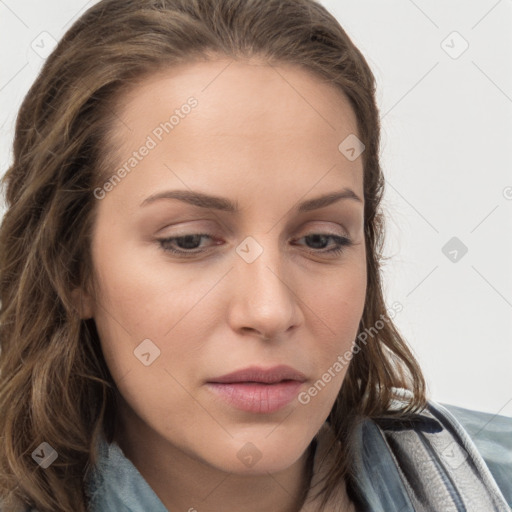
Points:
(259, 390)
(262, 375)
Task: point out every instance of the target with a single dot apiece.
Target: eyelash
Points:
(342, 243)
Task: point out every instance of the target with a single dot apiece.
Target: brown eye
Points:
(321, 240)
(184, 245)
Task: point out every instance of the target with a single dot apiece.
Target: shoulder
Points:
(492, 437)
(405, 462)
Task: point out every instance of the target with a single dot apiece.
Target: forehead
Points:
(249, 117)
(238, 88)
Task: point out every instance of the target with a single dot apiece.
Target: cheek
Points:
(339, 300)
(139, 300)
(150, 336)
(337, 308)
(144, 293)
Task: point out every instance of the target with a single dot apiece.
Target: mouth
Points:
(259, 390)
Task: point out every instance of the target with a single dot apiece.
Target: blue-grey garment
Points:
(396, 467)
(492, 435)
(427, 463)
(117, 486)
(430, 463)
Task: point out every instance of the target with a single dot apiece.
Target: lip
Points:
(259, 390)
(271, 375)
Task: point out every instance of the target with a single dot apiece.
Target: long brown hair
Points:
(54, 384)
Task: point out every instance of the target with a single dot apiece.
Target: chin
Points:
(258, 454)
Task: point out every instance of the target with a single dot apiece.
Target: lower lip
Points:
(256, 397)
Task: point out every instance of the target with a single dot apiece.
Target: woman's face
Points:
(255, 283)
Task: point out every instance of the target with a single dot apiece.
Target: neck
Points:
(185, 483)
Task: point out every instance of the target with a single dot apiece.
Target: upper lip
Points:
(265, 375)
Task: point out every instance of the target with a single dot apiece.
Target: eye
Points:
(340, 243)
(188, 244)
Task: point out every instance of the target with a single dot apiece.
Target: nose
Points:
(263, 297)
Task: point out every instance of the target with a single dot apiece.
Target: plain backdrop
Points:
(444, 78)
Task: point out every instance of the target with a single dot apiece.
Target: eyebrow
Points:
(220, 203)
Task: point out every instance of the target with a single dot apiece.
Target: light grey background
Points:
(447, 133)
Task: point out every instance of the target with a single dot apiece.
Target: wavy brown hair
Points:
(54, 383)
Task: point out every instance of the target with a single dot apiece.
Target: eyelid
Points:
(319, 227)
(209, 228)
(341, 243)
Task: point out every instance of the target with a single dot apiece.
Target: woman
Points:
(192, 311)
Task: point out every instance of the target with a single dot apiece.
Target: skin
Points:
(266, 138)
